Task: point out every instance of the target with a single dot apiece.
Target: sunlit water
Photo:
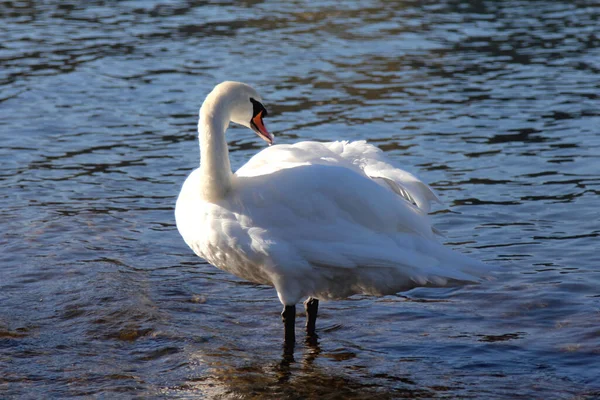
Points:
(495, 103)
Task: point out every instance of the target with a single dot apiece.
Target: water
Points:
(495, 103)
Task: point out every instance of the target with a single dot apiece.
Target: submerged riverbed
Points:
(494, 103)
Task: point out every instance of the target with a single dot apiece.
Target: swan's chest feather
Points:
(223, 236)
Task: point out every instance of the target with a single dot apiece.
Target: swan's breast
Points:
(222, 234)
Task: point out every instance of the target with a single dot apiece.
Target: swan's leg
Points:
(311, 306)
(289, 322)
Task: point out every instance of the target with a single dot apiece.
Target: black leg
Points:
(289, 322)
(312, 307)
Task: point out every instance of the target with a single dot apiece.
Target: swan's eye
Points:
(257, 108)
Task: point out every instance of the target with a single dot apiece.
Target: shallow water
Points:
(495, 103)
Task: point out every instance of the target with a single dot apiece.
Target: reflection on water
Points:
(494, 103)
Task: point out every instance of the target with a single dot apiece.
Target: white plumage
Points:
(321, 220)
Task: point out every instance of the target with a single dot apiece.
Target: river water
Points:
(495, 103)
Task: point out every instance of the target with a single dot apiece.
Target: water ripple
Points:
(494, 103)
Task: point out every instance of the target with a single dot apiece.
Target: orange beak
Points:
(258, 126)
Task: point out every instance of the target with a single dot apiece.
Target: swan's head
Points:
(245, 106)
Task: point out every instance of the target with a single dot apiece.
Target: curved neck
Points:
(215, 169)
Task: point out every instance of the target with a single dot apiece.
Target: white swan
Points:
(316, 220)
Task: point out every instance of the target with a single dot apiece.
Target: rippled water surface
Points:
(495, 103)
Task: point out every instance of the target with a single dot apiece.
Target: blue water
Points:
(495, 103)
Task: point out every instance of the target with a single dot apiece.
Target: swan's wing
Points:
(358, 156)
(311, 193)
(373, 162)
(319, 216)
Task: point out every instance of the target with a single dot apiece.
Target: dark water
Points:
(493, 102)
